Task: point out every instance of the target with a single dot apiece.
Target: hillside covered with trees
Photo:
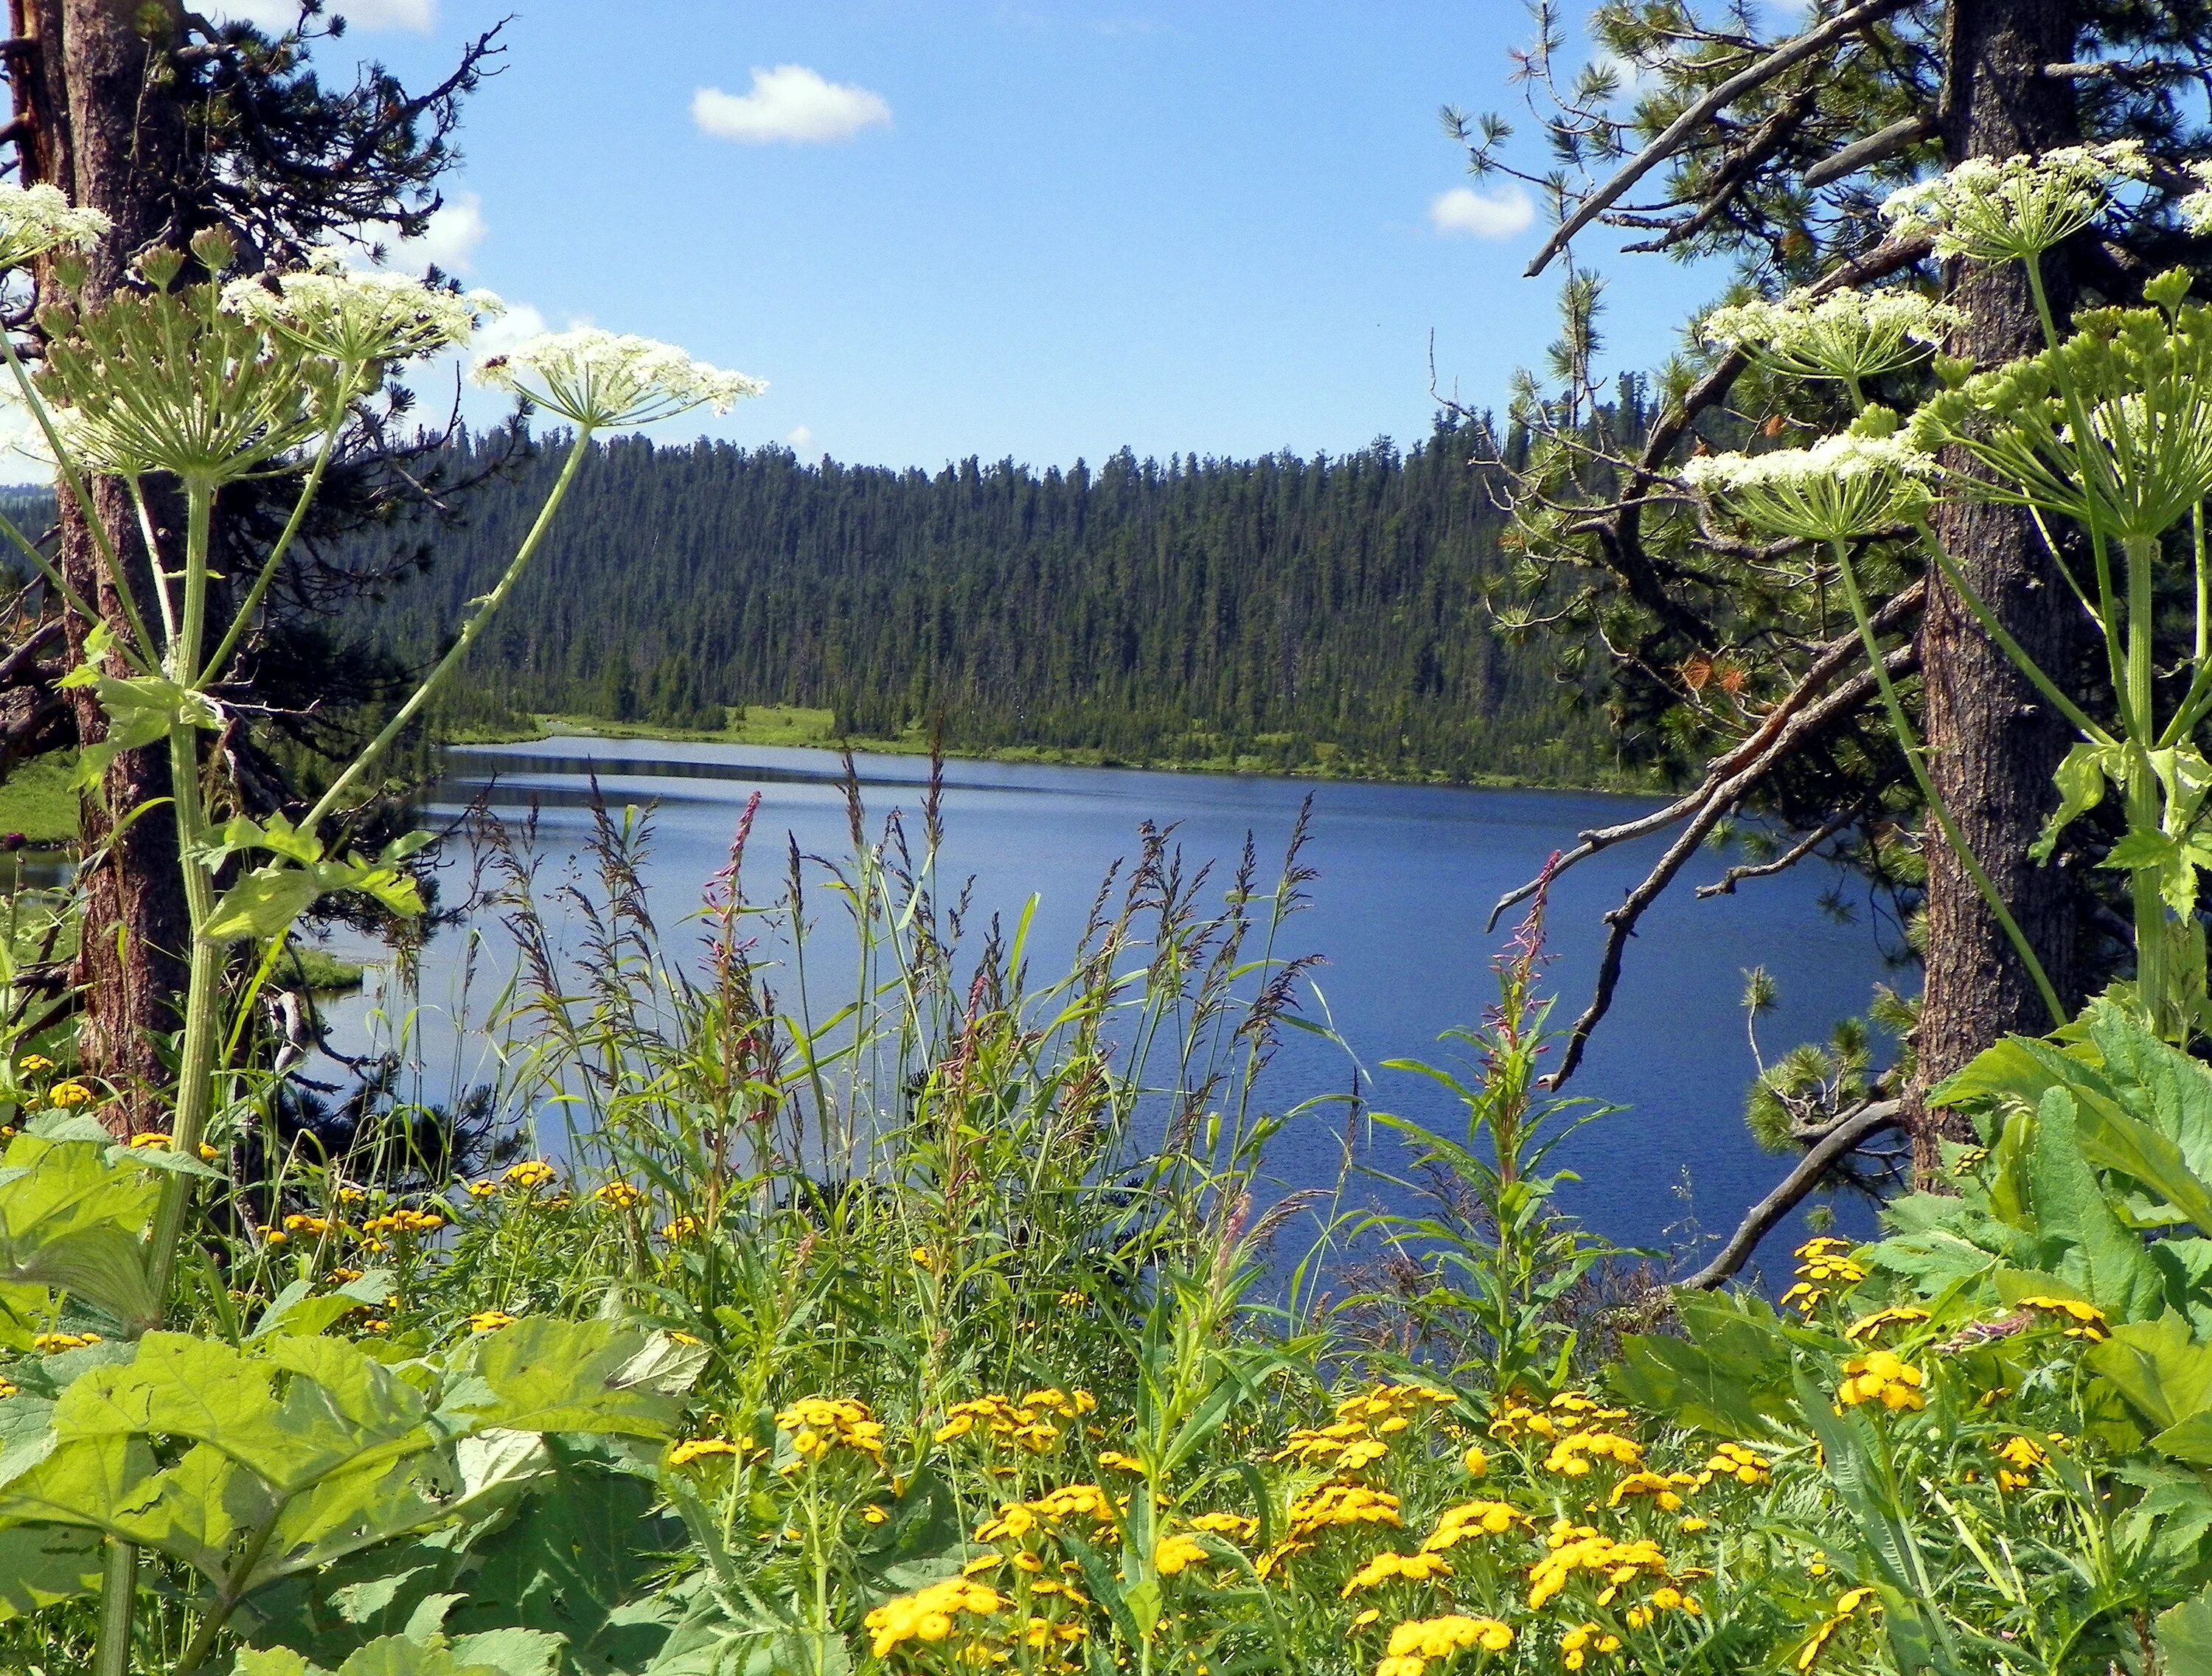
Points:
(1277, 612)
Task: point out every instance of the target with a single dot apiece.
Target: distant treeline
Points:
(1277, 612)
(1283, 611)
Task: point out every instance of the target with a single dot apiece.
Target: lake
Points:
(1406, 875)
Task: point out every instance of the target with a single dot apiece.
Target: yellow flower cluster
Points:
(929, 1615)
(1880, 1376)
(1898, 1314)
(9, 1388)
(67, 1094)
(2088, 1321)
(1579, 1548)
(1335, 1505)
(1364, 1426)
(1665, 1488)
(1017, 1518)
(1824, 1266)
(31, 1065)
(483, 1189)
(1739, 1461)
(709, 1449)
(1572, 1409)
(53, 1344)
(531, 1174)
(1570, 1455)
(1454, 1525)
(1027, 1422)
(2023, 1458)
(1579, 1643)
(300, 1223)
(1414, 1643)
(1235, 1527)
(402, 1221)
(818, 1424)
(1847, 1604)
(489, 1321)
(683, 1228)
(1172, 1555)
(619, 1195)
(1424, 1567)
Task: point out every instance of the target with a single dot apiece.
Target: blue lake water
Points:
(1406, 875)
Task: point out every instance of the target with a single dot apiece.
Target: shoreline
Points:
(778, 728)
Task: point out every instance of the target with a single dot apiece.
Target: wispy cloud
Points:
(801, 440)
(1498, 215)
(790, 103)
(449, 243)
(419, 16)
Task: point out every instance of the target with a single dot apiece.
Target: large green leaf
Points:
(2185, 1637)
(43, 1564)
(543, 1375)
(2090, 1246)
(2159, 1366)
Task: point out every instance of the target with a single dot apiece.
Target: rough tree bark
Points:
(88, 82)
(1993, 744)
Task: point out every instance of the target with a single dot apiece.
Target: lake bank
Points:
(799, 728)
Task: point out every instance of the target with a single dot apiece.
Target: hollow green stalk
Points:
(462, 642)
(1908, 742)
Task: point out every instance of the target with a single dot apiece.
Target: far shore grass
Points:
(798, 726)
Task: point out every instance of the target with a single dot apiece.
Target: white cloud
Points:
(499, 335)
(801, 440)
(790, 102)
(1499, 214)
(276, 15)
(457, 228)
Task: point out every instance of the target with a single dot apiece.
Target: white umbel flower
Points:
(1842, 486)
(1849, 335)
(361, 318)
(2196, 209)
(34, 220)
(597, 379)
(2016, 208)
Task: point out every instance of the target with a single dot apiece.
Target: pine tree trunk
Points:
(1993, 744)
(106, 131)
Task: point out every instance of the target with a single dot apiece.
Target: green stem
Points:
(2011, 647)
(1909, 745)
(2144, 796)
(119, 1596)
(234, 1589)
(462, 641)
(307, 491)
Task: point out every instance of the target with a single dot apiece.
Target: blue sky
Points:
(1044, 228)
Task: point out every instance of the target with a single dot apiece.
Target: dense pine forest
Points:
(1277, 612)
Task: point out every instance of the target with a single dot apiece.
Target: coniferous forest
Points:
(1277, 612)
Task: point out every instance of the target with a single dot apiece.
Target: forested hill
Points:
(1276, 612)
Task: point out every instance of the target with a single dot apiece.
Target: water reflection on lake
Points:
(1406, 875)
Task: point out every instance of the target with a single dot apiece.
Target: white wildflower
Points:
(2196, 209)
(599, 378)
(2016, 208)
(34, 220)
(1842, 486)
(361, 318)
(1849, 336)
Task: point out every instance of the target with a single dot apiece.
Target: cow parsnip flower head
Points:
(362, 318)
(2143, 377)
(2013, 209)
(172, 381)
(1849, 335)
(598, 378)
(34, 220)
(1857, 484)
(2196, 209)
